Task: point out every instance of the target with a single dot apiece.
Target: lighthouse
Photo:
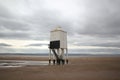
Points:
(58, 51)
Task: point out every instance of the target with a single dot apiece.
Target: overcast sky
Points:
(93, 26)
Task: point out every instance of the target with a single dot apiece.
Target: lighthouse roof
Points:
(58, 29)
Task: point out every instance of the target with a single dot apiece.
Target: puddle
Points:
(20, 63)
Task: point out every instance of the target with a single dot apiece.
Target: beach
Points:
(78, 68)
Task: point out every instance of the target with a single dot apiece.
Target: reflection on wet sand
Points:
(20, 63)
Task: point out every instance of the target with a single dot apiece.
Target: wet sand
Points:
(79, 68)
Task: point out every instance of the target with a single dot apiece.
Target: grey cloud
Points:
(37, 25)
(34, 26)
(6, 50)
(95, 51)
(14, 35)
(37, 44)
(31, 50)
(4, 12)
(4, 45)
(102, 20)
(109, 44)
(100, 44)
(14, 25)
(105, 28)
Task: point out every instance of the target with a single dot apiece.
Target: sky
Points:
(93, 26)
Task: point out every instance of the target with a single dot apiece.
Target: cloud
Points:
(13, 25)
(4, 45)
(5, 12)
(14, 35)
(109, 44)
(94, 22)
(10, 26)
(37, 45)
(95, 51)
(103, 28)
(6, 48)
(102, 19)
(36, 26)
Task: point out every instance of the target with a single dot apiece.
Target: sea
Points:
(69, 55)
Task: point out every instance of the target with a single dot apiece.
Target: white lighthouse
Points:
(58, 46)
